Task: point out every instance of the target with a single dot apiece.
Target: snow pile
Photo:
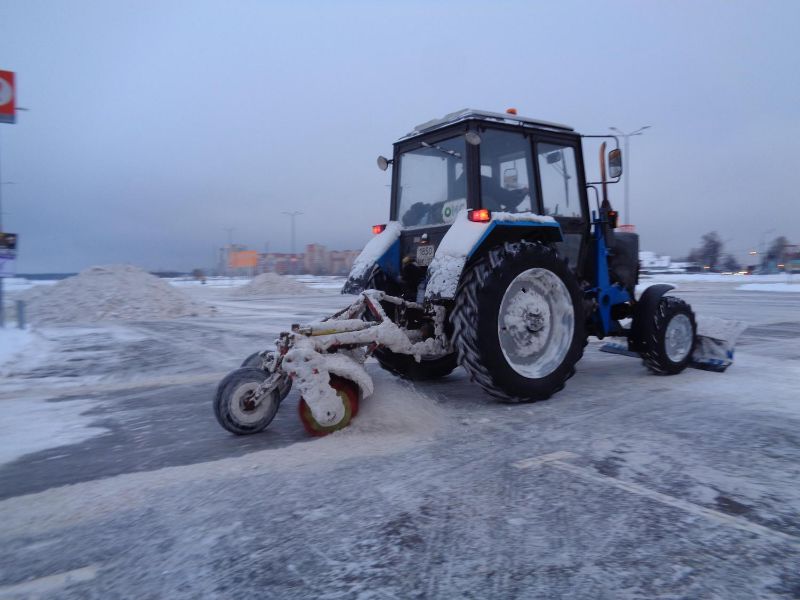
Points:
(268, 284)
(109, 293)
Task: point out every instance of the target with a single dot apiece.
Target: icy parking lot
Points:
(117, 481)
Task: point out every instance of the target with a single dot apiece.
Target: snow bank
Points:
(109, 293)
(713, 278)
(268, 284)
(770, 287)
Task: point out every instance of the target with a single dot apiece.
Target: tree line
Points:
(710, 254)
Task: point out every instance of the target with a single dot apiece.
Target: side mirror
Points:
(383, 163)
(510, 178)
(615, 164)
(554, 157)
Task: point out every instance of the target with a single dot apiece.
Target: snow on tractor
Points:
(492, 260)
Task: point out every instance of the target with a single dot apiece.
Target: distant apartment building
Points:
(316, 260)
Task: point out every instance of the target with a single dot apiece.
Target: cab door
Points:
(562, 192)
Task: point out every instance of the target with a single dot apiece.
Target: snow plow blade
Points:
(714, 345)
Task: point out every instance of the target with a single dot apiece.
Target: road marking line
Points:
(554, 460)
(50, 583)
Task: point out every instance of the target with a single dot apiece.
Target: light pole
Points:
(627, 161)
(228, 250)
(2, 183)
(292, 261)
(293, 214)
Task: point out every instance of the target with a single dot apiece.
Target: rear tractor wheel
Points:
(348, 393)
(518, 322)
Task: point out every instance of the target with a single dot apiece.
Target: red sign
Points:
(8, 112)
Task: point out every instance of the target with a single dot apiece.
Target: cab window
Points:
(433, 187)
(506, 171)
(558, 173)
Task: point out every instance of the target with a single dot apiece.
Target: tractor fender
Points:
(383, 250)
(646, 305)
(466, 239)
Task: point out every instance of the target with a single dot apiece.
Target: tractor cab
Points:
(482, 160)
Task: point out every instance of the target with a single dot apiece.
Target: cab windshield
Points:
(433, 186)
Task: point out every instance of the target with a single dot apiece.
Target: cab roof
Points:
(483, 115)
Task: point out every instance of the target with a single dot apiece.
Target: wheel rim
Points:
(536, 323)
(348, 394)
(678, 338)
(243, 405)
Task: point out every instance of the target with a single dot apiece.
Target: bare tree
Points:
(709, 252)
(776, 253)
(729, 263)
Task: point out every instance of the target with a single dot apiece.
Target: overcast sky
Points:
(154, 126)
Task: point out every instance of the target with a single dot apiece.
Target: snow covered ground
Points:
(771, 287)
(116, 481)
(14, 342)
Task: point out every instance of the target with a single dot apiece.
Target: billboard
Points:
(243, 259)
(8, 113)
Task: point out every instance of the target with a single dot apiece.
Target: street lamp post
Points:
(627, 173)
(292, 215)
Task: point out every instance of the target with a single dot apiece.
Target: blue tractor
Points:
(493, 259)
(491, 221)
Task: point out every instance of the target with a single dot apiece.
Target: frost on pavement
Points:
(30, 426)
(451, 255)
(110, 293)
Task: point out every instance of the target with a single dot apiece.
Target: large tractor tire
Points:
(668, 336)
(518, 322)
(403, 365)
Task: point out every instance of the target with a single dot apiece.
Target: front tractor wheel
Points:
(348, 393)
(669, 337)
(518, 322)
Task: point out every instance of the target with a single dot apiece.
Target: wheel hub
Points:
(526, 319)
(678, 338)
(245, 403)
(248, 401)
(536, 322)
